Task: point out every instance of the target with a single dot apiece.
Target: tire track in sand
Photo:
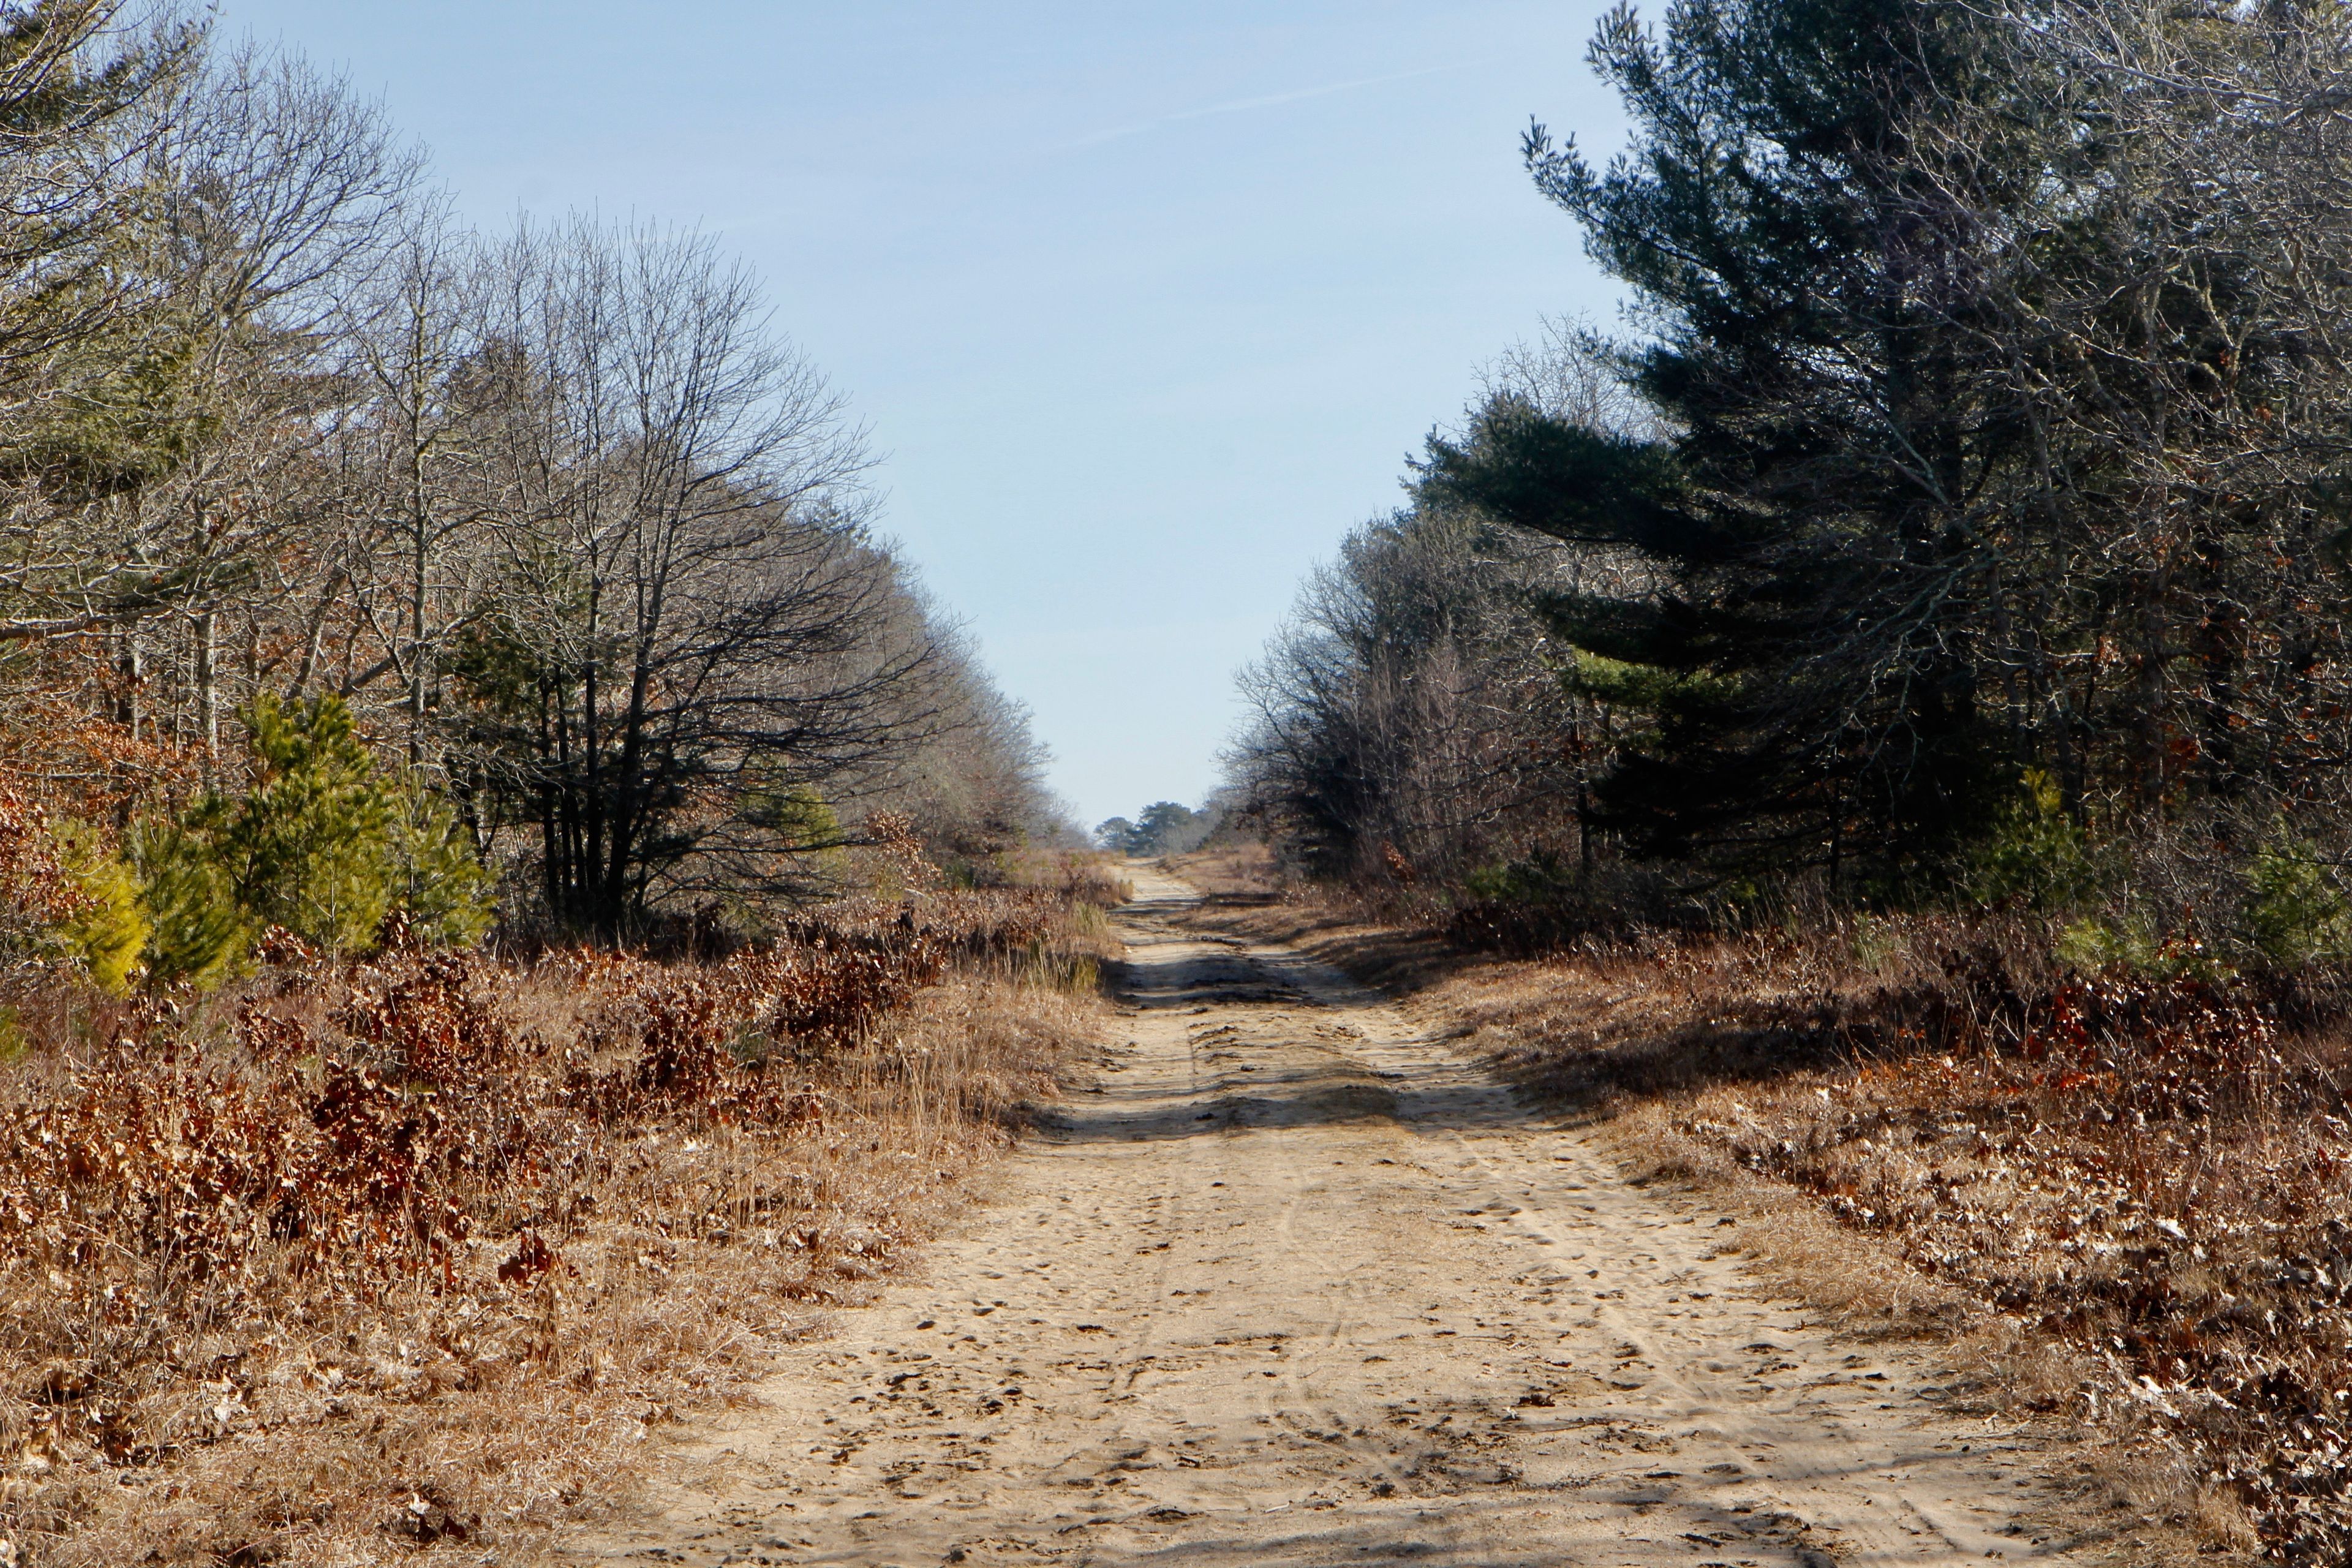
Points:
(1293, 1284)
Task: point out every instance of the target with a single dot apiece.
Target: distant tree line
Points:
(1163, 828)
(1976, 465)
(550, 524)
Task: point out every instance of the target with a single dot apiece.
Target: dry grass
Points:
(1237, 874)
(536, 1211)
(2132, 1197)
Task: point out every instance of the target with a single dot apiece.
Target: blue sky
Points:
(1145, 305)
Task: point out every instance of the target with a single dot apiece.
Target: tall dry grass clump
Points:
(419, 1250)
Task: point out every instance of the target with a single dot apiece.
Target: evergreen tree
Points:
(109, 932)
(198, 932)
(305, 849)
(2005, 425)
(1817, 355)
(321, 845)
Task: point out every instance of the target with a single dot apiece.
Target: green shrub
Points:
(2131, 942)
(2091, 945)
(435, 877)
(307, 849)
(1492, 882)
(1541, 878)
(2295, 912)
(108, 934)
(2035, 855)
(801, 815)
(200, 933)
(802, 819)
(322, 845)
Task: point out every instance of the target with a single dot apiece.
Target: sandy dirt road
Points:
(1296, 1286)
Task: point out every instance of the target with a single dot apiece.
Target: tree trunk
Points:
(208, 692)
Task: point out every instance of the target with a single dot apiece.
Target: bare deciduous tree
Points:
(692, 616)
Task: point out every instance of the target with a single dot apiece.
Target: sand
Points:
(1294, 1284)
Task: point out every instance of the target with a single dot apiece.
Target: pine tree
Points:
(305, 848)
(322, 845)
(1816, 355)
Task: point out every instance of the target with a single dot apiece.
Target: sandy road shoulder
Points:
(1294, 1285)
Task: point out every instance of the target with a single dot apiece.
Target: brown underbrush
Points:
(2139, 1183)
(412, 1254)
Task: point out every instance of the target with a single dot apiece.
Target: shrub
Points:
(307, 849)
(436, 880)
(2131, 944)
(2092, 945)
(322, 845)
(108, 933)
(2036, 855)
(2295, 912)
(38, 891)
(801, 816)
(65, 894)
(213, 1219)
(199, 934)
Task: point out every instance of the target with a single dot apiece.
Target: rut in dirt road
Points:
(1293, 1284)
